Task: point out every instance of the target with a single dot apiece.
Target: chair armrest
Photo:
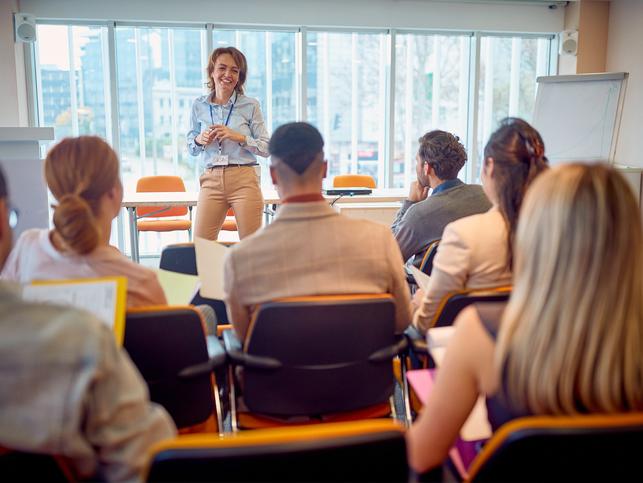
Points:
(417, 340)
(231, 342)
(217, 359)
(215, 347)
(387, 353)
(237, 356)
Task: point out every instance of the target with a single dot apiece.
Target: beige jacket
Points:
(67, 389)
(310, 249)
(471, 254)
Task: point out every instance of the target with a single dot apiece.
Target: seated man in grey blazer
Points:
(310, 249)
(422, 218)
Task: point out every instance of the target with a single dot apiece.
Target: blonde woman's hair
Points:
(571, 339)
(79, 171)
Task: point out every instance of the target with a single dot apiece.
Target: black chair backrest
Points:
(456, 302)
(180, 258)
(560, 451)
(370, 457)
(324, 350)
(162, 342)
(21, 466)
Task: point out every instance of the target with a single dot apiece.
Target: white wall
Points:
(13, 108)
(624, 53)
(467, 15)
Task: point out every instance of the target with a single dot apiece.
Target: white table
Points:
(132, 200)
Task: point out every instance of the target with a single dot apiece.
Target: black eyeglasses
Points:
(14, 215)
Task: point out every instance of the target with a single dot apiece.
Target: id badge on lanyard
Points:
(220, 159)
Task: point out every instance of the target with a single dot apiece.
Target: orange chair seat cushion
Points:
(230, 224)
(163, 225)
(248, 420)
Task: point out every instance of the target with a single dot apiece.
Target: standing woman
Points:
(227, 131)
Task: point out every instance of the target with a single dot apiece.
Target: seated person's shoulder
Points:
(30, 238)
(364, 227)
(473, 223)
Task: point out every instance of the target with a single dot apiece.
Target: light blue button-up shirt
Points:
(246, 119)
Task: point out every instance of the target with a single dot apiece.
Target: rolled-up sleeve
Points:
(404, 229)
(195, 130)
(257, 142)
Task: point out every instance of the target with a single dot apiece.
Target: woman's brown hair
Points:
(239, 59)
(518, 154)
(79, 171)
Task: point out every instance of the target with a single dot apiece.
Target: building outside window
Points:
(345, 80)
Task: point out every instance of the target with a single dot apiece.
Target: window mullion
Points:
(354, 168)
(473, 113)
(73, 104)
(268, 81)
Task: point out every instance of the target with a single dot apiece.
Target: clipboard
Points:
(104, 297)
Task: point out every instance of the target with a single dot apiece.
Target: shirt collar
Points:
(448, 184)
(233, 99)
(305, 198)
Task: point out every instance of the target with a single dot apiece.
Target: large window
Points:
(372, 94)
(159, 73)
(346, 99)
(73, 81)
(431, 92)
(508, 70)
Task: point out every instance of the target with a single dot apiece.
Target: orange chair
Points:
(155, 218)
(354, 180)
(230, 223)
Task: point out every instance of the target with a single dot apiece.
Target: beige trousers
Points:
(225, 187)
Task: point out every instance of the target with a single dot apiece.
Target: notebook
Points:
(105, 297)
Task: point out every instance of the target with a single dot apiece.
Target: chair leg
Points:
(190, 229)
(135, 256)
(405, 393)
(233, 399)
(218, 407)
(391, 402)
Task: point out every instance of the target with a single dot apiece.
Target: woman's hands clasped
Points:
(219, 133)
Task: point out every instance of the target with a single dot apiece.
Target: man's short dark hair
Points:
(444, 152)
(4, 192)
(298, 144)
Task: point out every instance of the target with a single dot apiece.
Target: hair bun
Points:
(75, 223)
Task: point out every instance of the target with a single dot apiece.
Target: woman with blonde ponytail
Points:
(570, 340)
(83, 175)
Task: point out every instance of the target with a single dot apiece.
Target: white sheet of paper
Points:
(98, 298)
(421, 278)
(209, 264)
(179, 288)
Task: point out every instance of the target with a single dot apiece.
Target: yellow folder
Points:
(104, 297)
